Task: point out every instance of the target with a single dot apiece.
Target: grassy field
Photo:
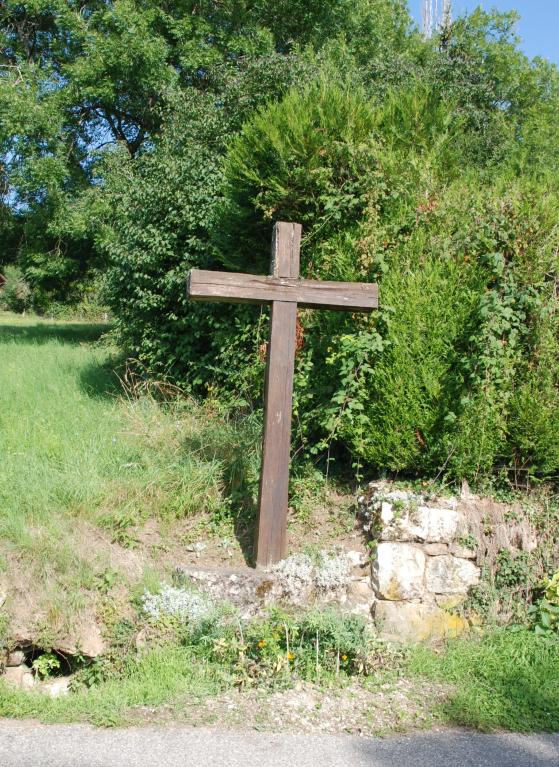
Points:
(102, 488)
(87, 464)
(106, 477)
(58, 437)
(503, 679)
(74, 441)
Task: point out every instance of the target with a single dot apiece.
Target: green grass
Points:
(79, 451)
(59, 423)
(71, 443)
(160, 677)
(502, 679)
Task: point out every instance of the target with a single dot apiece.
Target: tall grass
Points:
(59, 423)
(76, 449)
(73, 441)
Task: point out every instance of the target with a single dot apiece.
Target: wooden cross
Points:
(284, 290)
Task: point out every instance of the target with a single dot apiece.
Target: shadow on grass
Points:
(520, 702)
(237, 448)
(96, 379)
(100, 380)
(43, 333)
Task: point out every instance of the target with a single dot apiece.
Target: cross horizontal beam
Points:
(235, 287)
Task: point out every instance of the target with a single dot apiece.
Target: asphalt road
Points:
(27, 744)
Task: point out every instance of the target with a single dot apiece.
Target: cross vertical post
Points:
(274, 476)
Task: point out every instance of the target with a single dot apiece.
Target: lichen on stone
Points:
(295, 574)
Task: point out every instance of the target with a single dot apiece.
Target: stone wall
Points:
(340, 578)
(411, 566)
(407, 567)
(422, 563)
(410, 579)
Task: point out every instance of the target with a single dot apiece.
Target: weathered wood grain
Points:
(273, 500)
(235, 287)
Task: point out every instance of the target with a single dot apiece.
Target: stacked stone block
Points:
(421, 569)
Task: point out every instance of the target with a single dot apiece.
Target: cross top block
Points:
(284, 291)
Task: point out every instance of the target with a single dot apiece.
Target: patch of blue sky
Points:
(538, 26)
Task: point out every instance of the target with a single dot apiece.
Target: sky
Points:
(538, 28)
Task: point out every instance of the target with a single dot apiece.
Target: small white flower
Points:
(294, 573)
(188, 606)
(332, 572)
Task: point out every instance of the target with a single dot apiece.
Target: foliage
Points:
(269, 652)
(46, 664)
(442, 379)
(149, 139)
(545, 612)
(312, 159)
(280, 646)
(4, 629)
(15, 294)
(500, 680)
(506, 590)
(435, 382)
(159, 213)
(277, 646)
(274, 648)
(505, 101)
(513, 574)
(78, 79)
(307, 158)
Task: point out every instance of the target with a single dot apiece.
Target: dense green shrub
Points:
(154, 219)
(308, 158)
(423, 183)
(439, 378)
(15, 294)
(157, 234)
(443, 378)
(459, 349)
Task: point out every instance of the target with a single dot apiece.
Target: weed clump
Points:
(277, 646)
